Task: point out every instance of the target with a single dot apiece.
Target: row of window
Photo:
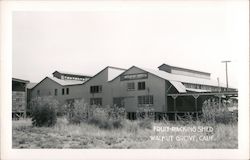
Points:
(130, 86)
(148, 99)
(140, 86)
(95, 89)
(56, 92)
(119, 101)
(74, 78)
(204, 87)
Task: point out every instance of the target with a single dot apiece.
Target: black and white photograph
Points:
(126, 76)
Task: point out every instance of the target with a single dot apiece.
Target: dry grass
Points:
(132, 135)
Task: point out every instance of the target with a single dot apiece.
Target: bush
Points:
(43, 112)
(77, 112)
(106, 118)
(116, 113)
(102, 117)
(215, 114)
(61, 110)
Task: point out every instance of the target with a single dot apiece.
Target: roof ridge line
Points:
(116, 68)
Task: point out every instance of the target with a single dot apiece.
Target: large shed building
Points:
(168, 90)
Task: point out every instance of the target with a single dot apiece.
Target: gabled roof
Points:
(174, 78)
(62, 82)
(66, 82)
(113, 72)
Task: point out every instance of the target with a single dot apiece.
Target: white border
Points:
(7, 7)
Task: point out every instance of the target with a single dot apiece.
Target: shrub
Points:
(102, 117)
(146, 116)
(116, 113)
(106, 117)
(43, 112)
(61, 110)
(215, 114)
(77, 112)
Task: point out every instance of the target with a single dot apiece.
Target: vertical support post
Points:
(219, 101)
(87, 112)
(25, 101)
(196, 107)
(174, 97)
(219, 97)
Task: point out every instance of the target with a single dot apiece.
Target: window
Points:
(141, 86)
(131, 86)
(38, 92)
(63, 91)
(67, 91)
(55, 92)
(145, 100)
(96, 101)
(95, 89)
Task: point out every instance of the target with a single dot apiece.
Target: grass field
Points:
(185, 135)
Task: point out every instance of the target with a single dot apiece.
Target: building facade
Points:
(168, 90)
(98, 90)
(64, 87)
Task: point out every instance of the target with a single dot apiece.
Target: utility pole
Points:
(226, 71)
(218, 80)
(219, 91)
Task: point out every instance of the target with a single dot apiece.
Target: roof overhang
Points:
(20, 80)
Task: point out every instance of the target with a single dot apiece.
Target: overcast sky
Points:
(197, 36)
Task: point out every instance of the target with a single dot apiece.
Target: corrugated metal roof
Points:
(197, 90)
(31, 85)
(73, 73)
(182, 78)
(113, 72)
(184, 69)
(66, 82)
(179, 86)
(20, 80)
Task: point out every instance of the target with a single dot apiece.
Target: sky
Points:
(193, 35)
